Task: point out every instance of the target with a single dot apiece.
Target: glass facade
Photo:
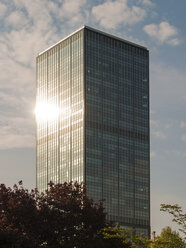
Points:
(98, 85)
(60, 93)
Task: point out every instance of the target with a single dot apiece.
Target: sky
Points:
(28, 27)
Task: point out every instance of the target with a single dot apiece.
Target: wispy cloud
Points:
(72, 7)
(148, 3)
(182, 124)
(158, 134)
(178, 153)
(171, 123)
(183, 137)
(16, 132)
(154, 123)
(3, 9)
(163, 33)
(167, 86)
(16, 19)
(152, 111)
(152, 154)
(111, 14)
(27, 28)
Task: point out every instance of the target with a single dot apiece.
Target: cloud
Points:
(163, 33)
(176, 153)
(154, 123)
(16, 19)
(152, 154)
(3, 9)
(170, 123)
(183, 138)
(173, 42)
(184, 97)
(15, 140)
(16, 132)
(74, 11)
(28, 28)
(167, 86)
(152, 111)
(182, 124)
(72, 7)
(111, 14)
(148, 3)
(17, 119)
(158, 134)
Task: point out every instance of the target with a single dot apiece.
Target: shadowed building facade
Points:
(93, 122)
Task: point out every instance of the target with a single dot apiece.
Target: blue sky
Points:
(28, 27)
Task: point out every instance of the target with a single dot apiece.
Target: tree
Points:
(119, 237)
(168, 239)
(116, 237)
(62, 217)
(178, 216)
(18, 216)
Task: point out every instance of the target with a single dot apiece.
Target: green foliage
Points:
(116, 237)
(122, 238)
(168, 239)
(178, 216)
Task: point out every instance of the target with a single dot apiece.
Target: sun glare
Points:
(46, 112)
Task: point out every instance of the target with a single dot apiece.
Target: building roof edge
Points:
(115, 37)
(95, 30)
(82, 27)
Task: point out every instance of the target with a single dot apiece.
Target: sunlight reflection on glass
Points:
(46, 112)
(51, 112)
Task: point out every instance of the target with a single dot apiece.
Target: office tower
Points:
(93, 122)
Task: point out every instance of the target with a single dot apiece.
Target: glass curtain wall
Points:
(93, 122)
(60, 111)
(42, 127)
(117, 129)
